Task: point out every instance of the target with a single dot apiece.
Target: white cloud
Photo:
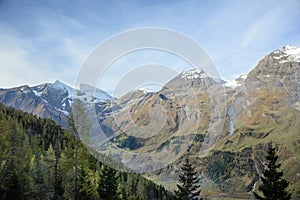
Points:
(272, 24)
(54, 53)
(16, 69)
(51, 39)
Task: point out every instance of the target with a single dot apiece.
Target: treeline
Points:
(38, 160)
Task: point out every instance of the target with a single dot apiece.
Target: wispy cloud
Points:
(269, 26)
(17, 68)
(50, 39)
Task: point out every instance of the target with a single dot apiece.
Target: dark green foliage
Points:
(85, 190)
(38, 173)
(273, 186)
(134, 186)
(220, 165)
(108, 184)
(14, 188)
(223, 165)
(188, 188)
(58, 189)
(37, 162)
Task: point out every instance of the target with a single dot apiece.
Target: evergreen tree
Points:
(273, 185)
(14, 188)
(78, 123)
(38, 170)
(58, 187)
(188, 188)
(84, 185)
(54, 184)
(37, 161)
(108, 184)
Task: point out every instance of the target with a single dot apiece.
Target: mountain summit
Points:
(257, 108)
(287, 53)
(50, 100)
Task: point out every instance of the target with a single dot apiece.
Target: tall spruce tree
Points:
(84, 185)
(108, 184)
(14, 188)
(78, 124)
(188, 188)
(37, 162)
(273, 186)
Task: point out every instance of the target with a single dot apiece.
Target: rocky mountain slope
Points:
(50, 100)
(245, 114)
(263, 108)
(223, 126)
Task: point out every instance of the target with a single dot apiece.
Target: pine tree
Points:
(273, 185)
(78, 124)
(54, 179)
(84, 185)
(188, 188)
(108, 184)
(37, 162)
(58, 187)
(38, 170)
(14, 188)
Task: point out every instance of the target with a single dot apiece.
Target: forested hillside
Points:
(38, 161)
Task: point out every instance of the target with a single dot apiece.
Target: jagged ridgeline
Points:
(37, 162)
(261, 106)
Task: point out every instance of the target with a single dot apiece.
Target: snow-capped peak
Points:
(232, 83)
(66, 94)
(287, 53)
(291, 48)
(194, 73)
(60, 85)
(94, 92)
(145, 90)
(236, 82)
(243, 76)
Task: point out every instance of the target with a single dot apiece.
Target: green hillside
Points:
(37, 161)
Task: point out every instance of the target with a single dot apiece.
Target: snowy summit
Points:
(287, 53)
(236, 82)
(145, 90)
(194, 74)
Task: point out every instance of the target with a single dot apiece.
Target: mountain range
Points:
(50, 100)
(223, 126)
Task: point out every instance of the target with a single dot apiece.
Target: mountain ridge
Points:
(49, 100)
(255, 109)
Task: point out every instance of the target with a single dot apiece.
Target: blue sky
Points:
(42, 41)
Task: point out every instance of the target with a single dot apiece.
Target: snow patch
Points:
(45, 101)
(277, 57)
(60, 85)
(244, 76)
(25, 89)
(287, 53)
(194, 74)
(93, 93)
(38, 94)
(232, 83)
(63, 111)
(145, 90)
(64, 105)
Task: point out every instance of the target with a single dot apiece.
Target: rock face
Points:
(223, 126)
(264, 107)
(278, 72)
(254, 109)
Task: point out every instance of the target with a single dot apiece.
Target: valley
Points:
(222, 126)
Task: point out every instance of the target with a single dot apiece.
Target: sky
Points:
(44, 41)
